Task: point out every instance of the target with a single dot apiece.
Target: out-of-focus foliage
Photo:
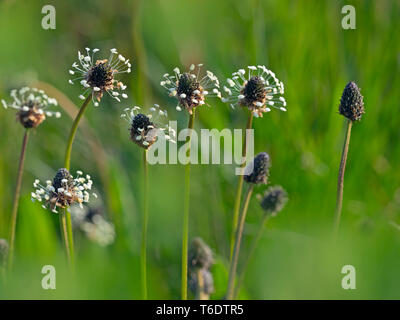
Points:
(304, 44)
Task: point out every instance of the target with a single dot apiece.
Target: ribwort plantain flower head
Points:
(257, 171)
(191, 88)
(4, 247)
(92, 223)
(200, 255)
(258, 89)
(97, 76)
(32, 106)
(63, 191)
(200, 260)
(146, 128)
(274, 200)
(352, 102)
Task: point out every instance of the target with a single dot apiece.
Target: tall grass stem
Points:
(185, 231)
(69, 241)
(17, 193)
(339, 198)
(238, 196)
(64, 232)
(143, 253)
(236, 248)
(250, 254)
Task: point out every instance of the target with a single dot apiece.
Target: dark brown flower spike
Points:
(257, 171)
(352, 102)
(144, 129)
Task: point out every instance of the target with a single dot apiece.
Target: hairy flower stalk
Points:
(257, 173)
(200, 260)
(190, 89)
(257, 90)
(352, 108)
(272, 202)
(32, 107)
(97, 76)
(144, 130)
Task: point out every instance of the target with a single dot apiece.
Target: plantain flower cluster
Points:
(257, 89)
(145, 128)
(32, 105)
(63, 191)
(98, 76)
(191, 88)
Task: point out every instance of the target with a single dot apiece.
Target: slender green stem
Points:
(185, 234)
(339, 198)
(16, 199)
(240, 185)
(251, 252)
(64, 232)
(236, 249)
(143, 253)
(3, 278)
(70, 237)
(74, 128)
(66, 220)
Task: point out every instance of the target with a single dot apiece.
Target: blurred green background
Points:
(304, 44)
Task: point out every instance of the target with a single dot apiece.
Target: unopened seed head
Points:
(274, 200)
(352, 102)
(260, 169)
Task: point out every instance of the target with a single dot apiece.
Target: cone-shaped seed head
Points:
(351, 103)
(260, 172)
(274, 200)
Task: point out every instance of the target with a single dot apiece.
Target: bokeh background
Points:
(304, 44)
